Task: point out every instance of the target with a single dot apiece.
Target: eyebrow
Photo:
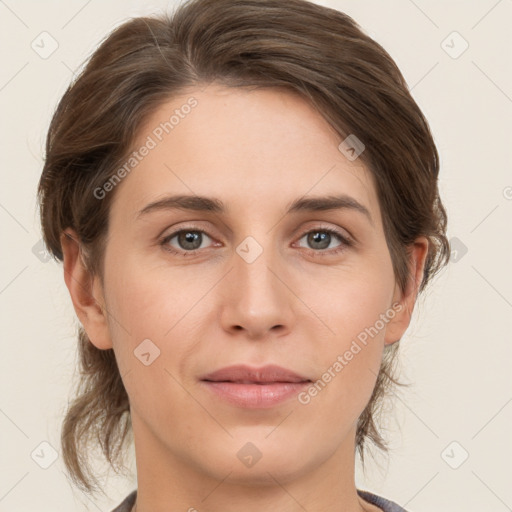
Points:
(214, 205)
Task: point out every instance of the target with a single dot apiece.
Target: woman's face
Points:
(255, 282)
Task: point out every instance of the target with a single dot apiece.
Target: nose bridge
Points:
(256, 265)
(258, 299)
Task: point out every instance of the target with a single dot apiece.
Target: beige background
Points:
(458, 351)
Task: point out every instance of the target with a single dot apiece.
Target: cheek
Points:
(355, 312)
(352, 303)
(142, 301)
(147, 326)
(153, 310)
(141, 310)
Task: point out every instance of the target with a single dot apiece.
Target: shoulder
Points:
(379, 501)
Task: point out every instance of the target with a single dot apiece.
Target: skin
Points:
(256, 151)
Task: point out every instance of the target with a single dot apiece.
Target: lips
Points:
(254, 388)
(242, 374)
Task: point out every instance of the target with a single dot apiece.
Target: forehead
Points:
(248, 147)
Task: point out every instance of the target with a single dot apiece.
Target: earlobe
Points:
(85, 291)
(406, 300)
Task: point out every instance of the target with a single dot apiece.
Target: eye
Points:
(189, 241)
(320, 239)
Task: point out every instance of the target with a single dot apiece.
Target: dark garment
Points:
(127, 504)
(383, 503)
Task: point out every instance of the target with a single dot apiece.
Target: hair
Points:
(318, 52)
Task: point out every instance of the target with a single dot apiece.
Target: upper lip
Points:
(246, 374)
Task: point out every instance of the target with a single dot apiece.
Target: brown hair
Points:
(316, 51)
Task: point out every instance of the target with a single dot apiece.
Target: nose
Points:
(257, 298)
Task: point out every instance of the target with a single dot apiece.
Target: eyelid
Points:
(184, 226)
(322, 225)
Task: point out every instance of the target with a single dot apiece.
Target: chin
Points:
(258, 463)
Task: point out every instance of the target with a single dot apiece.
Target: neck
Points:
(173, 481)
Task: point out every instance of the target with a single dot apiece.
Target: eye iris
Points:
(188, 240)
(185, 238)
(319, 236)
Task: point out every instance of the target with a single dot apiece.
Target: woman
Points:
(244, 197)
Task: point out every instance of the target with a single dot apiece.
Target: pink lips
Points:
(256, 388)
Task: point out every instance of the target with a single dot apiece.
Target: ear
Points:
(85, 290)
(404, 301)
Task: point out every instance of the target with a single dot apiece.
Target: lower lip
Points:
(256, 396)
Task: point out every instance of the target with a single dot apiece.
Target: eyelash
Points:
(345, 242)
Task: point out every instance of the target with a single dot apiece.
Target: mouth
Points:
(242, 374)
(255, 388)
(257, 382)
